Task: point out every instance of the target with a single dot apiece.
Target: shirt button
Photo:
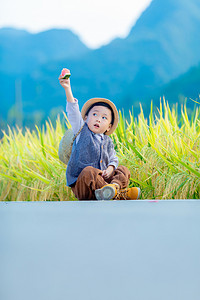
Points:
(101, 161)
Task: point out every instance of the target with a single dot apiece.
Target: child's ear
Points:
(85, 118)
(109, 127)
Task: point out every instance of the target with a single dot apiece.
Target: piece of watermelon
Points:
(65, 73)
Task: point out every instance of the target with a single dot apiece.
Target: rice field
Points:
(161, 151)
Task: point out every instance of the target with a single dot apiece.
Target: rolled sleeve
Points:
(114, 161)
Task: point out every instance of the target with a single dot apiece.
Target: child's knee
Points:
(88, 172)
(124, 170)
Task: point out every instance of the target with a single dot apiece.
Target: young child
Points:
(93, 172)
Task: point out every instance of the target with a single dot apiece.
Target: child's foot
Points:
(107, 192)
(112, 191)
(129, 194)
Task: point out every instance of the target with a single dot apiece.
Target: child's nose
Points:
(98, 119)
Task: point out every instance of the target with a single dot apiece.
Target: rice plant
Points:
(162, 153)
(30, 168)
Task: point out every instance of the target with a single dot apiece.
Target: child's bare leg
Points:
(88, 181)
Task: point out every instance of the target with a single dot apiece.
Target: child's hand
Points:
(65, 83)
(106, 174)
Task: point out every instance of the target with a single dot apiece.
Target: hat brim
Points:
(92, 101)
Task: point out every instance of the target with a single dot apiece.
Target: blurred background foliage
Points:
(159, 57)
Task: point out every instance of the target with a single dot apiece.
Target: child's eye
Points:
(94, 114)
(104, 118)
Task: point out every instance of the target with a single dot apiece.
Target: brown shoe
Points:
(107, 192)
(128, 194)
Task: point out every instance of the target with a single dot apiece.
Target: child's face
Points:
(99, 119)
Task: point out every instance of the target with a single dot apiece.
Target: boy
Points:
(92, 171)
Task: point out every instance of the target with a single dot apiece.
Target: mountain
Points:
(23, 52)
(185, 86)
(22, 55)
(169, 29)
(163, 44)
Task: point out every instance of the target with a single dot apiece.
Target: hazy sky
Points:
(95, 22)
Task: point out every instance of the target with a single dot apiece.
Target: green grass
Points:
(162, 153)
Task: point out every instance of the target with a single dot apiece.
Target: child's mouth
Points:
(96, 125)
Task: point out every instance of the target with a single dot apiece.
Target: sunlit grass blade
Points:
(11, 177)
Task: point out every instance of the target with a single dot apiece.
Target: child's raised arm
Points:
(65, 83)
(72, 107)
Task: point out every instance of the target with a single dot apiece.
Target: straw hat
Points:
(92, 101)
